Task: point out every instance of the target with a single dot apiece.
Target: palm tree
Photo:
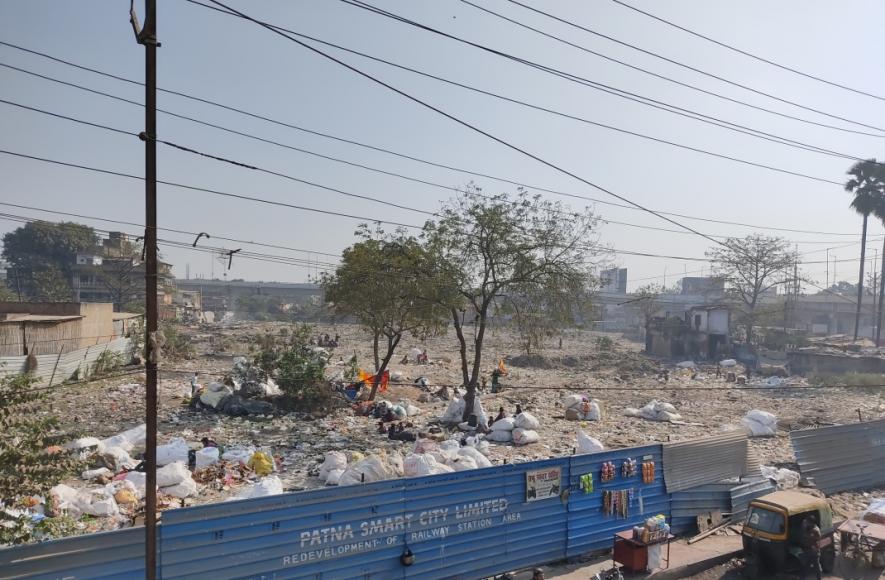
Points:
(880, 213)
(867, 183)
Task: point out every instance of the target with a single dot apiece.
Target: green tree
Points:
(41, 256)
(867, 183)
(541, 312)
(751, 267)
(297, 368)
(880, 213)
(31, 462)
(379, 282)
(486, 247)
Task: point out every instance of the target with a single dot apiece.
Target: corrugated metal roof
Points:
(842, 457)
(727, 497)
(697, 462)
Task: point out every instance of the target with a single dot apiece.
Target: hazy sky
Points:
(235, 62)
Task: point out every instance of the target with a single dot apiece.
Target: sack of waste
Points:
(729, 362)
(478, 443)
(411, 410)
(461, 463)
(65, 498)
(502, 436)
(372, 468)
(570, 401)
(186, 488)
(175, 450)
(134, 438)
(526, 421)
(760, 423)
(505, 424)
(454, 412)
(172, 474)
(333, 461)
(139, 480)
(94, 473)
(478, 458)
(654, 411)
(686, 364)
(206, 456)
(97, 502)
(266, 486)
(525, 436)
(875, 513)
(588, 444)
(117, 459)
(425, 464)
(85, 446)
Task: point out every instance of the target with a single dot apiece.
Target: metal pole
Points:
(881, 296)
(147, 36)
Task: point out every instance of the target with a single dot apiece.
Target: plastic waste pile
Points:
(581, 408)
(760, 423)
(654, 411)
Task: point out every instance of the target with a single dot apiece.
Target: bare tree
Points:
(752, 267)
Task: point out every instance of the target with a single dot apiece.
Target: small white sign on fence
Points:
(543, 483)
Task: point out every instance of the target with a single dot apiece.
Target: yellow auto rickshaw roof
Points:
(794, 502)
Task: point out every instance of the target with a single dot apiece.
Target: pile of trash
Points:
(581, 408)
(654, 411)
(760, 423)
(242, 394)
(782, 477)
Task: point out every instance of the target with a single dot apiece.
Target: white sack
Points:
(334, 476)
(588, 444)
(186, 488)
(270, 485)
(172, 474)
(760, 423)
(478, 458)
(526, 421)
(505, 424)
(525, 436)
(175, 450)
(206, 456)
(500, 436)
(454, 411)
(333, 461)
(241, 454)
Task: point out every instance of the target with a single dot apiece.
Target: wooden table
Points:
(633, 554)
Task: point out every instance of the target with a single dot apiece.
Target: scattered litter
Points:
(784, 478)
(206, 456)
(240, 454)
(760, 423)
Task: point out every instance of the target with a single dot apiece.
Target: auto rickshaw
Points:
(773, 533)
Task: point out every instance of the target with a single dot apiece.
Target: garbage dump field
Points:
(594, 391)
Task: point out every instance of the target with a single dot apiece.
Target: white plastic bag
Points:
(760, 423)
(505, 424)
(875, 513)
(139, 480)
(525, 436)
(686, 364)
(93, 473)
(334, 476)
(526, 421)
(595, 413)
(729, 362)
(117, 458)
(85, 445)
(186, 488)
(588, 444)
(97, 502)
(270, 485)
(175, 450)
(500, 436)
(784, 478)
(206, 456)
(66, 498)
(241, 454)
(333, 461)
(172, 474)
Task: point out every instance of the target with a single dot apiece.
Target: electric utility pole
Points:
(147, 36)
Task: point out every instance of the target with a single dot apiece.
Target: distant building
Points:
(703, 286)
(613, 280)
(114, 272)
(222, 295)
(701, 333)
(59, 327)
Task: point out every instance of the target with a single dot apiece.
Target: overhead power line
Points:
(749, 54)
(664, 77)
(346, 193)
(694, 69)
(367, 146)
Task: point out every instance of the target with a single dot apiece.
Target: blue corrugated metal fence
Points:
(468, 525)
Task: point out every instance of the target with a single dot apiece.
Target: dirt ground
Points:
(619, 377)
